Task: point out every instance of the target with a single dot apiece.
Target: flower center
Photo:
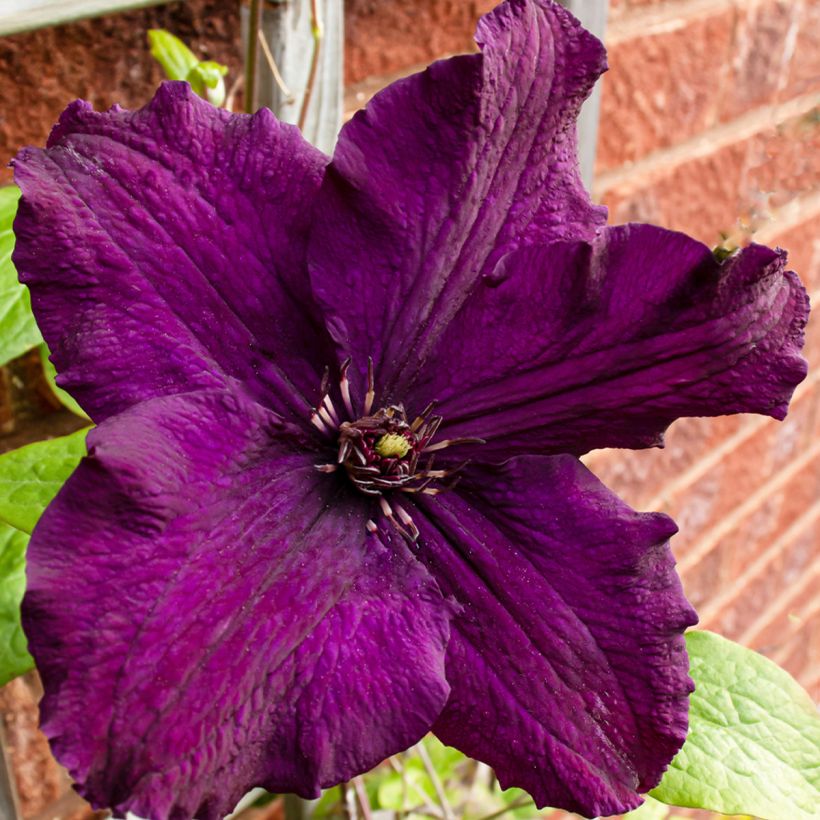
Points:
(382, 451)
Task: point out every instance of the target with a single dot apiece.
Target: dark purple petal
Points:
(567, 663)
(165, 251)
(566, 348)
(208, 614)
(442, 174)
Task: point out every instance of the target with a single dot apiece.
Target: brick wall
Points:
(709, 114)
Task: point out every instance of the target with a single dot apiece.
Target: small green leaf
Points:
(171, 53)
(206, 80)
(18, 330)
(14, 657)
(754, 737)
(31, 476)
(51, 375)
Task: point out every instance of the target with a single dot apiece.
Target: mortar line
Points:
(669, 16)
(702, 466)
(707, 142)
(779, 605)
(705, 544)
(715, 605)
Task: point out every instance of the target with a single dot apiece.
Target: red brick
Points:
(802, 241)
(105, 60)
(706, 196)
(672, 83)
(800, 655)
(640, 475)
(761, 54)
(804, 68)
(702, 505)
(783, 568)
(782, 625)
(386, 37)
(38, 778)
(661, 88)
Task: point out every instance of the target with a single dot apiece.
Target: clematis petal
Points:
(570, 347)
(567, 664)
(442, 174)
(164, 249)
(229, 625)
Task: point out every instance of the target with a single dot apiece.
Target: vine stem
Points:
(317, 29)
(252, 59)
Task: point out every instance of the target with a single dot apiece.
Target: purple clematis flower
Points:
(264, 572)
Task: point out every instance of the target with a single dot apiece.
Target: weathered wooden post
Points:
(308, 88)
(593, 15)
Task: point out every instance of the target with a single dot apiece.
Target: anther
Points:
(370, 525)
(344, 384)
(328, 403)
(326, 417)
(371, 387)
(317, 422)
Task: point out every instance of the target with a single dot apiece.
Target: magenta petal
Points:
(567, 347)
(567, 663)
(442, 174)
(165, 251)
(206, 620)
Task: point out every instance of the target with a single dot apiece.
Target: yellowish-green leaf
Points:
(754, 737)
(18, 330)
(14, 656)
(32, 475)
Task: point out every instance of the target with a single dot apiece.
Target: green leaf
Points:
(14, 656)
(18, 330)
(206, 80)
(31, 476)
(171, 53)
(51, 374)
(754, 737)
(180, 63)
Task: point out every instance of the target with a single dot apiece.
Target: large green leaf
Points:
(14, 656)
(754, 737)
(18, 330)
(31, 476)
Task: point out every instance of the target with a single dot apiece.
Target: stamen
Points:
(317, 422)
(421, 417)
(370, 525)
(328, 403)
(407, 521)
(326, 417)
(371, 387)
(412, 533)
(344, 384)
(326, 468)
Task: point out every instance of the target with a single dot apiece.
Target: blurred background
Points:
(708, 123)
